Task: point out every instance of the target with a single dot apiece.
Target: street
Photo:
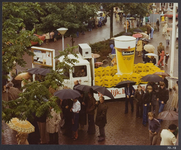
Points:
(121, 129)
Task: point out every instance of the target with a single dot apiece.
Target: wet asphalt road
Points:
(121, 129)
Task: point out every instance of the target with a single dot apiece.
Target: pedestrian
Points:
(129, 93)
(147, 97)
(89, 24)
(139, 47)
(121, 18)
(167, 38)
(174, 103)
(82, 114)
(75, 118)
(52, 125)
(47, 37)
(153, 127)
(151, 33)
(166, 58)
(144, 57)
(148, 28)
(101, 118)
(91, 106)
(162, 97)
(164, 30)
(165, 81)
(67, 116)
(153, 60)
(161, 58)
(160, 48)
(138, 96)
(96, 22)
(167, 136)
(157, 24)
(76, 83)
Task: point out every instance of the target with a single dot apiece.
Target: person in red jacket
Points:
(161, 58)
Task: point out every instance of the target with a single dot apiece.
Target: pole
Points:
(173, 41)
(62, 42)
(126, 23)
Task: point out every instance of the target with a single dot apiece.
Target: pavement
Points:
(121, 129)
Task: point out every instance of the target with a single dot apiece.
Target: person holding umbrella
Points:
(75, 119)
(162, 97)
(129, 93)
(101, 119)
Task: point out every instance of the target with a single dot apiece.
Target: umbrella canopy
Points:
(22, 76)
(149, 48)
(137, 30)
(162, 73)
(168, 115)
(152, 78)
(40, 71)
(138, 35)
(67, 94)
(84, 88)
(144, 35)
(151, 54)
(103, 91)
(99, 63)
(127, 33)
(95, 55)
(124, 83)
(21, 126)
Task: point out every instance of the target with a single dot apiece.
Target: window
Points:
(79, 71)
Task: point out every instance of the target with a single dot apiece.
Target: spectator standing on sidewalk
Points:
(101, 118)
(167, 136)
(160, 48)
(166, 58)
(162, 55)
(162, 97)
(157, 24)
(167, 38)
(153, 127)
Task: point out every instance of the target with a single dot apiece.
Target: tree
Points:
(15, 42)
(36, 99)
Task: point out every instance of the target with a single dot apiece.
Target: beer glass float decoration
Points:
(125, 53)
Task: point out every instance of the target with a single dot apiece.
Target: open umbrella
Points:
(144, 35)
(67, 94)
(162, 73)
(138, 35)
(95, 55)
(103, 91)
(22, 76)
(22, 126)
(99, 63)
(124, 83)
(168, 115)
(151, 54)
(84, 88)
(40, 71)
(152, 78)
(137, 30)
(149, 48)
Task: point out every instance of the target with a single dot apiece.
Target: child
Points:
(166, 58)
(153, 127)
(161, 58)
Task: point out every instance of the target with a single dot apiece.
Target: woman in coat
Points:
(139, 101)
(175, 97)
(52, 125)
(162, 96)
(139, 47)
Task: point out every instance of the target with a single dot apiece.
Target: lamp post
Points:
(62, 31)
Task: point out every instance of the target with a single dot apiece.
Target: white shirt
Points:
(76, 107)
(167, 137)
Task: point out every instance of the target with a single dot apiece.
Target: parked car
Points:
(40, 37)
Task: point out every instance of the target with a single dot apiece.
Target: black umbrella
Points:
(103, 91)
(67, 94)
(127, 33)
(137, 30)
(40, 71)
(84, 88)
(152, 78)
(168, 115)
(124, 83)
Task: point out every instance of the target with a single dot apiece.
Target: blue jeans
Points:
(161, 106)
(145, 113)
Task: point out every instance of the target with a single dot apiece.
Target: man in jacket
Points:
(167, 136)
(129, 93)
(101, 119)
